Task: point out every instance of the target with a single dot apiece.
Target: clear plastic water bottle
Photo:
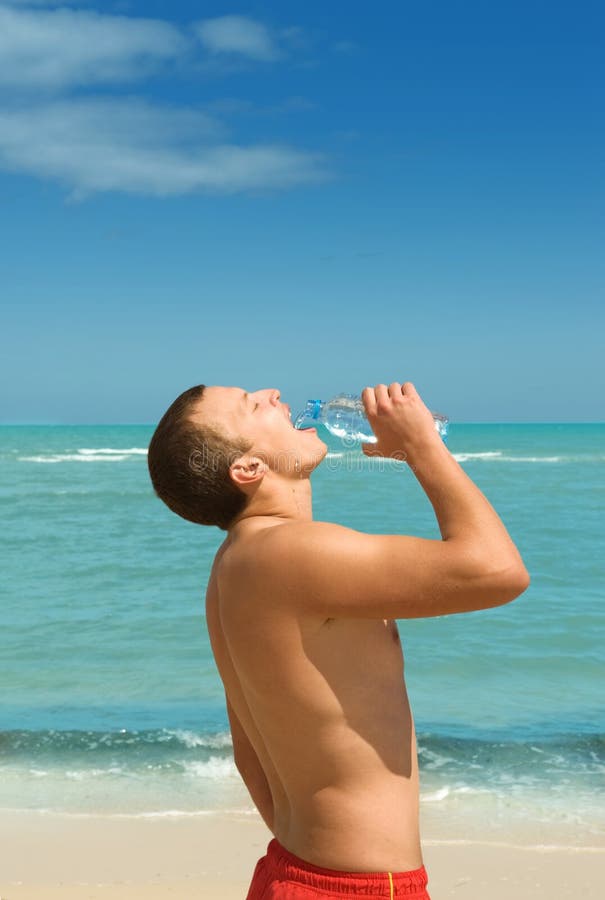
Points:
(345, 417)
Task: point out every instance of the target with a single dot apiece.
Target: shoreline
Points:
(52, 856)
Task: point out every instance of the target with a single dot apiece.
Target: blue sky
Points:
(310, 196)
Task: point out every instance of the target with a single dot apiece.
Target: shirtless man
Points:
(301, 616)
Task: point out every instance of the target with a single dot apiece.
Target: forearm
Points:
(464, 514)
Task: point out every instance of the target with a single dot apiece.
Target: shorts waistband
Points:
(335, 881)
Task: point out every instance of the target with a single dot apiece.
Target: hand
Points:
(399, 419)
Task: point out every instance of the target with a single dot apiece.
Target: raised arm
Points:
(336, 571)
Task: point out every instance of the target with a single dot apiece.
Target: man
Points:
(301, 621)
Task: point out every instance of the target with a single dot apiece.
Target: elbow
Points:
(495, 579)
(510, 583)
(523, 581)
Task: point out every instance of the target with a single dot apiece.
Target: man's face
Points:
(262, 419)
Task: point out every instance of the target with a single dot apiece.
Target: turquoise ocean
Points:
(110, 703)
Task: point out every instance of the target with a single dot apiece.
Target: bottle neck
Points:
(314, 408)
(311, 413)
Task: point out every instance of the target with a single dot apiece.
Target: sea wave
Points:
(500, 759)
(71, 457)
(88, 454)
(488, 454)
(124, 771)
(153, 745)
(503, 762)
(216, 768)
(500, 456)
(116, 454)
(131, 451)
(190, 739)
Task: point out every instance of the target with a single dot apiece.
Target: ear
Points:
(247, 471)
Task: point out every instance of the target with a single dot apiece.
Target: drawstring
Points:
(391, 885)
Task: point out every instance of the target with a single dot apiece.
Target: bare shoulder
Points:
(277, 561)
(305, 564)
(288, 547)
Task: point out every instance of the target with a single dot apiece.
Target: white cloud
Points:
(128, 145)
(61, 47)
(93, 144)
(238, 35)
(37, 2)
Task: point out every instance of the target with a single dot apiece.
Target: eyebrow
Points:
(245, 397)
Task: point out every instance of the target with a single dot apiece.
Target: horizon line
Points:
(452, 423)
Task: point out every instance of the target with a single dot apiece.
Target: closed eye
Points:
(245, 401)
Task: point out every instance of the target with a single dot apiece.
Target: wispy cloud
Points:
(128, 145)
(38, 2)
(344, 47)
(232, 106)
(240, 36)
(63, 47)
(58, 131)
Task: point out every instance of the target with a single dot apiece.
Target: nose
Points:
(274, 396)
(268, 395)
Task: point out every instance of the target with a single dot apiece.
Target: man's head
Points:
(215, 446)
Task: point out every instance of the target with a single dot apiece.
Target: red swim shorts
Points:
(282, 876)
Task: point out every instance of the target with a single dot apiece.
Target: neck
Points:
(276, 501)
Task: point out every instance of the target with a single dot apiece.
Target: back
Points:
(323, 703)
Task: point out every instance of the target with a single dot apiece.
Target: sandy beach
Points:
(53, 857)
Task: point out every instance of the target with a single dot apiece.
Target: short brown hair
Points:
(189, 465)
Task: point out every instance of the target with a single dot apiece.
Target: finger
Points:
(408, 388)
(382, 397)
(369, 401)
(395, 390)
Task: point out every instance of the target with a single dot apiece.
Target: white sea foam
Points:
(535, 459)
(490, 454)
(150, 814)
(181, 813)
(89, 454)
(117, 454)
(442, 793)
(499, 456)
(435, 796)
(216, 768)
(131, 451)
(213, 741)
(72, 457)
(154, 814)
(84, 774)
(433, 760)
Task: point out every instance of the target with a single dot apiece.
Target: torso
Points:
(324, 704)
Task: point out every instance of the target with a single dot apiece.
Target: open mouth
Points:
(288, 415)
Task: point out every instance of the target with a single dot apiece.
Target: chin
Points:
(313, 460)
